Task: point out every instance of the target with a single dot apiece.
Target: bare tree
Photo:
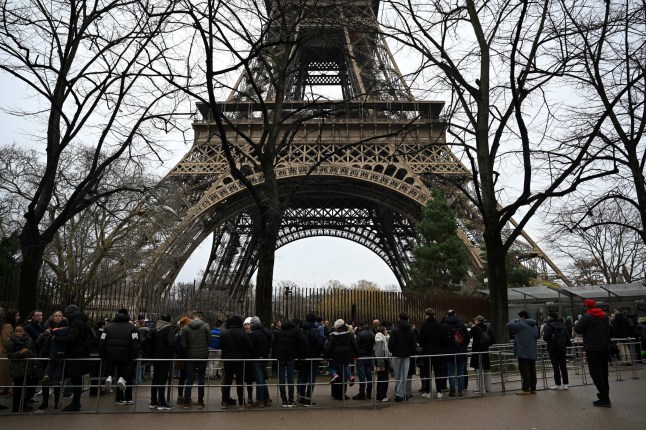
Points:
(501, 62)
(607, 43)
(88, 64)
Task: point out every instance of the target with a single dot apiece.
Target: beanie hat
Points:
(255, 320)
(589, 303)
(338, 323)
(235, 320)
(71, 309)
(247, 320)
(479, 318)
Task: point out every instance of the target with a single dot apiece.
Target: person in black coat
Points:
(289, 345)
(119, 346)
(261, 339)
(164, 344)
(365, 343)
(402, 344)
(594, 325)
(308, 369)
(75, 351)
(558, 339)
(433, 339)
(483, 338)
(235, 344)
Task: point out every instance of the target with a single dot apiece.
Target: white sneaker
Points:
(426, 395)
(565, 386)
(121, 383)
(439, 395)
(385, 399)
(556, 387)
(108, 383)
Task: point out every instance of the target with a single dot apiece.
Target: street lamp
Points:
(288, 292)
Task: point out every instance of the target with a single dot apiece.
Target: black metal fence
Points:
(102, 300)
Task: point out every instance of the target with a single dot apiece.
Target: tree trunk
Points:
(497, 280)
(32, 260)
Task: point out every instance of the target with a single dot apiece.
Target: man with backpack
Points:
(483, 338)
(457, 345)
(558, 339)
(525, 332)
(308, 368)
(164, 343)
(433, 339)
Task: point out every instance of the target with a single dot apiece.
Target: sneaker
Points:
(45, 380)
(602, 403)
(306, 402)
(556, 387)
(565, 387)
(33, 401)
(352, 381)
(186, 405)
(426, 395)
(334, 378)
(68, 396)
(288, 404)
(268, 402)
(164, 407)
(130, 402)
(200, 405)
(121, 402)
(522, 393)
(385, 399)
(224, 405)
(439, 395)
(399, 399)
(153, 406)
(121, 383)
(108, 383)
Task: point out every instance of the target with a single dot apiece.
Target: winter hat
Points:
(310, 317)
(71, 309)
(479, 318)
(123, 311)
(255, 320)
(235, 320)
(451, 312)
(338, 323)
(589, 303)
(247, 320)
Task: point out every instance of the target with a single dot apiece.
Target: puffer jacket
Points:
(289, 343)
(525, 334)
(235, 342)
(341, 346)
(402, 341)
(594, 325)
(365, 342)
(19, 364)
(451, 323)
(261, 339)
(74, 343)
(196, 337)
(119, 340)
(433, 338)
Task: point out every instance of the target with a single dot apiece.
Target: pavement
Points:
(548, 409)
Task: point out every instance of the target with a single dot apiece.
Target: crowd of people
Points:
(364, 353)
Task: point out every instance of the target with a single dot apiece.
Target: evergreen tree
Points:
(9, 255)
(440, 258)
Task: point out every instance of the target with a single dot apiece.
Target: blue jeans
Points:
(400, 368)
(364, 373)
(286, 374)
(191, 368)
(457, 370)
(307, 377)
(262, 392)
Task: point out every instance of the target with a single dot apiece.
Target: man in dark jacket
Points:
(525, 332)
(261, 339)
(74, 346)
(119, 346)
(365, 342)
(457, 344)
(164, 339)
(402, 344)
(289, 345)
(309, 368)
(558, 339)
(196, 337)
(235, 344)
(433, 339)
(594, 325)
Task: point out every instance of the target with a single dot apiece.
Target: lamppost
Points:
(288, 292)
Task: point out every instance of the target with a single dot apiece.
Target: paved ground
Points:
(561, 410)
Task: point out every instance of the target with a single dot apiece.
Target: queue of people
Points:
(183, 349)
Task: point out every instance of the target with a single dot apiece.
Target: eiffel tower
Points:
(363, 173)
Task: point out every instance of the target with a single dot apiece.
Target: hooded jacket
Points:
(341, 346)
(553, 328)
(196, 337)
(365, 341)
(452, 322)
(234, 341)
(289, 343)
(19, 363)
(261, 339)
(525, 334)
(120, 340)
(594, 325)
(402, 342)
(433, 338)
(164, 340)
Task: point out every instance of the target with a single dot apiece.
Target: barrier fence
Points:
(504, 377)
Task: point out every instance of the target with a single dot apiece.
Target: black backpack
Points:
(485, 339)
(560, 338)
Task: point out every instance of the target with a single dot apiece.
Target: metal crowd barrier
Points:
(504, 375)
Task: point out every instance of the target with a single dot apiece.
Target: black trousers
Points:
(559, 364)
(598, 366)
(527, 370)
(233, 370)
(161, 373)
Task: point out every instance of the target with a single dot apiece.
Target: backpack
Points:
(456, 337)
(91, 340)
(560, 339)
(485, 339)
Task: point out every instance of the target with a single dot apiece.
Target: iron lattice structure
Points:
(360, 168)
